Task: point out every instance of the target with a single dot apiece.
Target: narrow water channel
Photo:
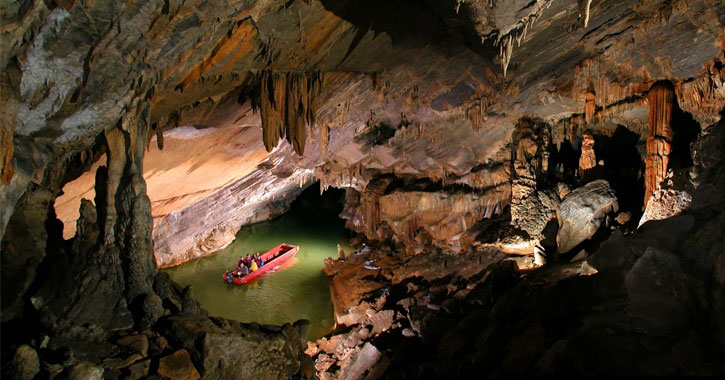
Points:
(298, 290)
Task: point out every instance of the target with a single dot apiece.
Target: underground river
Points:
(299, 290)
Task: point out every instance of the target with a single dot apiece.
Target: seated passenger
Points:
(253, 267)
(261, 262)
(243, 271)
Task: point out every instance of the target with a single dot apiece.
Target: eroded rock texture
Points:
(457, 128)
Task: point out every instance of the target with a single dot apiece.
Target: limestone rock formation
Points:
(434, 115)
(661, 100)
(582, 212)
(229, 349)
(587, 160)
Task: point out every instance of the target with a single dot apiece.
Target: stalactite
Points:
(474, 114)
(160, 137)
(661, 103)
(518, 33)
(288, 106)
(584, 11)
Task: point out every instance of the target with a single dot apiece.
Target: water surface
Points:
(297, 290)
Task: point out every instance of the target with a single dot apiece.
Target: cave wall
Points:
(434, 98)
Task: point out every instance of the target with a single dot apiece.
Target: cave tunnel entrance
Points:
(297, 291)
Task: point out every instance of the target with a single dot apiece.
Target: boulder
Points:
(26, 363)
(581, 213)
(660, 292)
(664, 204)
(178, 366)
(138, 343)
(223, 349)
(83, 371)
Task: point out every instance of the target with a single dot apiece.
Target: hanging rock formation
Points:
(287, 104)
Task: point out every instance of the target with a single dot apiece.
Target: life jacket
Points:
(253, 267)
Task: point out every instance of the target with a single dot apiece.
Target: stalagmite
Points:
(587, 160)
(661, 102)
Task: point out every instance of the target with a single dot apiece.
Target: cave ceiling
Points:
(458, 71)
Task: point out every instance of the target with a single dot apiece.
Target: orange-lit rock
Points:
(661, 98)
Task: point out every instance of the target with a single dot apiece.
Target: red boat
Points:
(272, 259)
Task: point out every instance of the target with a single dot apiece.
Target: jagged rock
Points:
(581, 213)
(151, 310)
(178, 366)
(227, 349)
(665, 203)
(360, 362)
(26, 363)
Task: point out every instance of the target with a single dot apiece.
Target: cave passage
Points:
(297, 291)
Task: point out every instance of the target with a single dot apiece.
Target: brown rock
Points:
(360, 362)
(138, 343)
(26, 363)
(661, 100)
(138, 370)
(587, 160)
(85, 371)
(665, 203)
(178, 366)
(117, 363)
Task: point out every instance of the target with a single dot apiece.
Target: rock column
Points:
(661, 99)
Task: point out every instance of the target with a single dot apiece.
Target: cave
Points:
(474, 189)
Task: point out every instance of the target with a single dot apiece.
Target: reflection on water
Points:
(296, 290)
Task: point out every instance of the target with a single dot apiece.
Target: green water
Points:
(297, 290)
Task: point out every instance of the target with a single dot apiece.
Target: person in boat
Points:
(254, 266)
(247, 260)
(243, 271)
